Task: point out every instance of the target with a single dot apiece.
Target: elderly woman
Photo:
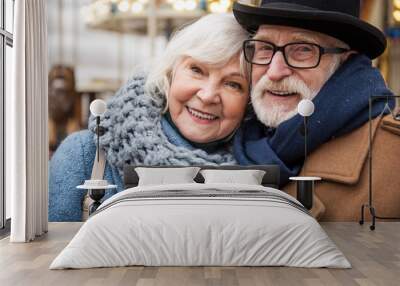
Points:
(184, 113)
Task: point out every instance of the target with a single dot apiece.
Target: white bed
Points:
(201, 224)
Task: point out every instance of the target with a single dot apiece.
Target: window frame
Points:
(6, 39)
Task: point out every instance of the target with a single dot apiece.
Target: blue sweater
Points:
(70, 166)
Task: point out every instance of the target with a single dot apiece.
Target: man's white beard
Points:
(274, 114)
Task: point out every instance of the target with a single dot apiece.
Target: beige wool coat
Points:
(342, 163)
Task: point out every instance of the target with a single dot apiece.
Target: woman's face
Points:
(207, 103)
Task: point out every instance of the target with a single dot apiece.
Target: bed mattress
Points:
(201, 225)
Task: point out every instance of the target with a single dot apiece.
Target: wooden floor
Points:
(374, 255)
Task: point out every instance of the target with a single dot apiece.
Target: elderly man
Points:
(322, 51)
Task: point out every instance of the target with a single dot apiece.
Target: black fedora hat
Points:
(339, 19)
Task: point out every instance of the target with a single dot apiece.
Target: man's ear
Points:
(346, 55)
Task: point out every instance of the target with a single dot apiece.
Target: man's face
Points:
(278, 88)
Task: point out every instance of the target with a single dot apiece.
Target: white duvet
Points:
(201, 224)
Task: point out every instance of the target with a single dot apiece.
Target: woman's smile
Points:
(201, 117)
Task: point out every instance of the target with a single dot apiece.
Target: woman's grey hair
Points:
(213, 39)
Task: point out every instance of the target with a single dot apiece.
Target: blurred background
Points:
(96, 45)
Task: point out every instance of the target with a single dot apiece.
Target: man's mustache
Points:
(288, 84)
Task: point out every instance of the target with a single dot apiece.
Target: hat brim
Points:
(359, 35)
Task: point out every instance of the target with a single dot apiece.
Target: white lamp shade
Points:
(305, 107)
(98, 107)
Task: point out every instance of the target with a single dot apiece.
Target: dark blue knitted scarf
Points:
(341, 106)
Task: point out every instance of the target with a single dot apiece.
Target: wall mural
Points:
(233, 90)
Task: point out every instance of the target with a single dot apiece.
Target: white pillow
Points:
(248, 177)
(162, 176)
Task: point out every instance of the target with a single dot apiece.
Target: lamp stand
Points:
(370, 205)
(305, 185)
(96, 195)
(98, 136)
(305, 138)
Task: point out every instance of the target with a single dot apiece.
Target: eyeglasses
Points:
(300, 55)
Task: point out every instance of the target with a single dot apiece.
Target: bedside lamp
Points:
(305, 185)
(96, 186)
(98, 107)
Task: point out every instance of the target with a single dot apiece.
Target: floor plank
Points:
(374, 255)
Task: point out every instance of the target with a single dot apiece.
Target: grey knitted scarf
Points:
(133, 133)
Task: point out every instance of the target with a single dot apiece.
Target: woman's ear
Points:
(167, 88)
(168, 80)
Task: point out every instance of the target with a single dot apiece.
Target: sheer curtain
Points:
(26, 123)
